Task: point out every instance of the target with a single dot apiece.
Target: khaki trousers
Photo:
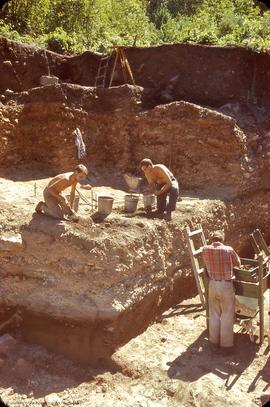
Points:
(221, 312)
(53, 208)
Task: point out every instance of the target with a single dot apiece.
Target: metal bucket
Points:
(105, 204)
(131, 202)
(75, 203)
(148, 201)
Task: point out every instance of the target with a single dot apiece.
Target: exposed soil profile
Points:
(106, 311)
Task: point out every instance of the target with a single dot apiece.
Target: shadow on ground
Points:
(190, 365)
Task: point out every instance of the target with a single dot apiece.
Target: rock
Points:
(11, 243)
(52, 400)
(7, 63)
(49, 80)
(8, 92)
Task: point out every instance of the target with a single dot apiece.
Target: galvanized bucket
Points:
(131, 202)
(105, 204)
(148, 201)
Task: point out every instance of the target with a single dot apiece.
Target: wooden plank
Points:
(261, 242)
(249, 261)
(194, 232)
(269, 311)
(246, 289)
(202, 237)
(197, 252)
(254, 243)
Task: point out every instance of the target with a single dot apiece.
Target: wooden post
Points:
(261, 298)
(128, 68)
(114, 66)
(123, 64)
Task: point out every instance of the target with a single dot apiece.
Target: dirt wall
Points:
(207, 75)
(38, 125)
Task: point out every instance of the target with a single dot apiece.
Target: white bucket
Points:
(148, 201)
(105, 204)
(131, 202)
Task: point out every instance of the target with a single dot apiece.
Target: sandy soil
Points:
(168, 365)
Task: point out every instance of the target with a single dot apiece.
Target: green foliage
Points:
(120, 22)
(78, 25)
(59, 41)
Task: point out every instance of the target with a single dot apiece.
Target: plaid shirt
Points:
(219, 260)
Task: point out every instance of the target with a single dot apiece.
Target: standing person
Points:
(219, 261)
(56, 205)
(160, 176)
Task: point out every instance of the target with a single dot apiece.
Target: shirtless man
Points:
(160, 176)
(56, 205)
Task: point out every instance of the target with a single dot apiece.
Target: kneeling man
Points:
(56, 205)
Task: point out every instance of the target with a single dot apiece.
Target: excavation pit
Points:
(84, 290)
(95, 291)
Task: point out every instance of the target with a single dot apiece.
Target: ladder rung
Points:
(104, 58)
(100, 76)
(197, 252)
(195, 232)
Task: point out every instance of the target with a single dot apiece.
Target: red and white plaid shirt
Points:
(219, 261)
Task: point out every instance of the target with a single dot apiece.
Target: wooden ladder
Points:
(102, 71)
(196, 260)
(120, 54)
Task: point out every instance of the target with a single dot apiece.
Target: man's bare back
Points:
(163, 184)
(159, 174)
(61, 182)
